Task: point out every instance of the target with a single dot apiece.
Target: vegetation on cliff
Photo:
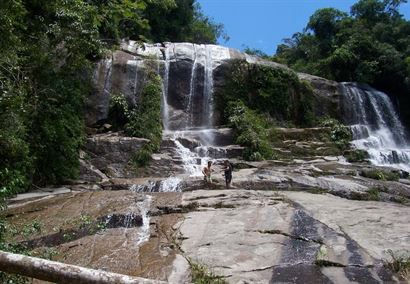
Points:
(144, 119)
(255, 98)
(252, 131)
(370, 45)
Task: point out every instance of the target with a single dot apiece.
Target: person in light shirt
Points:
(207, 172)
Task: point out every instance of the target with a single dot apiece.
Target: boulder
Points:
(327, 95)
(108, 155)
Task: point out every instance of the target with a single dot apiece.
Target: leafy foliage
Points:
(275, 91)
(255, 52)
(201, 274)
(370, 45)
(181, 21)
(399, 263)
(340, 134)
(380, 175)
(251, 131)
(144, 120)
(256, 97)
(356, 155)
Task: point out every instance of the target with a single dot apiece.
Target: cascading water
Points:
(192, 88)
(192, 162)
(208, 89)
(376, 126)
(165, 106)
(171, 184)
(107, 82)
(144, 232)
(196, 114)
(199, 108)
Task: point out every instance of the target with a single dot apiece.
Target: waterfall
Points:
(192, 89)
(376, 126)
(107, 81)
(192, 162)
(208, 89)
(165, 81)
(199, 113)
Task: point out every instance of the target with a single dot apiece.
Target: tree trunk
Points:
(62, 273)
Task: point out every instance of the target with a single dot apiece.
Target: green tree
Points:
(370, 45)
(183, 21)
(324, 24)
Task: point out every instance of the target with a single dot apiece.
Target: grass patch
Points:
(401, 200)
(373, 194)
(189, 207)
(142, 157)
(359, 196)
(220, 205)
(317, 190)
(356, 156)
(31, 229)
(399, 263)
(380, 175)
(340, 134)
(201, 274)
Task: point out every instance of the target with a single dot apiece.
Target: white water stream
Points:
(165, 80)
(144, 230)
(192, 88)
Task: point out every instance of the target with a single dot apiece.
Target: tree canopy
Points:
(371, 45)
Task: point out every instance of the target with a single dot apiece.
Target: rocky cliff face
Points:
(191, 73)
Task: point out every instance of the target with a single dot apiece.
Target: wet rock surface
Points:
(109, 155)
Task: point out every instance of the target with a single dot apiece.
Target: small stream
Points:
(144, 206)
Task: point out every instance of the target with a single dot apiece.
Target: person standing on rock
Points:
(228, 173)
(207, 171)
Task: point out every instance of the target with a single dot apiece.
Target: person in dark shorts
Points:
(228, 173)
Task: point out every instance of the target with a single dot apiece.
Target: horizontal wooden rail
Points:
(62, 273)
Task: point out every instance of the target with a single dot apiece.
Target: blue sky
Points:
(262, 24)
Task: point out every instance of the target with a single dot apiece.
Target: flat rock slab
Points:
(34, 195)
(375, 226)
(265, 237)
